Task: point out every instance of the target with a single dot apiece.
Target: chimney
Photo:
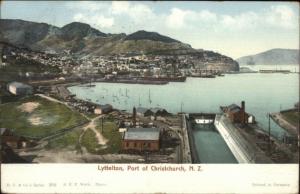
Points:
(243, 112)
(243, 106)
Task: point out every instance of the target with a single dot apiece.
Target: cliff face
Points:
(272, 57)
(82, 39)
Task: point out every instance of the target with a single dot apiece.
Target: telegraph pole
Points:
(269, 145)
(102, 125)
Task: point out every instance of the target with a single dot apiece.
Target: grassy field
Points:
(292, 117)
(110, 132)
(52, 116)
(69, 140)
(89, 141)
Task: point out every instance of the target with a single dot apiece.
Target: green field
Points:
(69, 140)
(47, 118)
(292, 117)
(110, 132)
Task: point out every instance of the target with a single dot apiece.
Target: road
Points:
(282, 122)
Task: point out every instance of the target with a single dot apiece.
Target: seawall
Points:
(235, 142)
(186, 142)
(191, 141)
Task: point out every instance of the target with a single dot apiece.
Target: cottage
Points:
(103, 109)
(141, 139)
(18, 88)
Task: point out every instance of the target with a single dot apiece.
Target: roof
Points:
(142, 110)
(234, 110)
(142, 134)
(19, 85)
(106, 106)
(233, 106)
(155, 110)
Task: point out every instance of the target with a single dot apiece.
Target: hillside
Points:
(272, 57)
(82, 39)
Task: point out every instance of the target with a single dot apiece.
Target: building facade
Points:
(238, 114)
(141, 139)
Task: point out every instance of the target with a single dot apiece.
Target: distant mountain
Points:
(81, 39)
(272, 57)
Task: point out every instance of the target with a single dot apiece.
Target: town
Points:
(129, 66)
(55, 125)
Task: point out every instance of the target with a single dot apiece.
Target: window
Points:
(134, 144)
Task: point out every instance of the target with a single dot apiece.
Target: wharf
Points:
(243, 148)
(273, 71)
(190, 140)
(187, 149)
(133, 81)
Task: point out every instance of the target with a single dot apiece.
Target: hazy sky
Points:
(231, 28)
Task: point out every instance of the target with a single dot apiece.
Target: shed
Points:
(103, 109)
(18, 88)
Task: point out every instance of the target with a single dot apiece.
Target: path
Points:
(61, 102)
(92, 125)
(282, 122)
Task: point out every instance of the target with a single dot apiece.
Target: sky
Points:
(234, 29)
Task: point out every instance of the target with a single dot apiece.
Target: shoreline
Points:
(279, 119)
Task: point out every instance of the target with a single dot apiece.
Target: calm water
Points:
(263, 93)
(210, 146)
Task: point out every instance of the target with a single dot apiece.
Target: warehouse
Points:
(18, 88)
(141, 139)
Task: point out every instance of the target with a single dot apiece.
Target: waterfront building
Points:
(103, 109)
(18, 88)
(238, 114)
(141, 139)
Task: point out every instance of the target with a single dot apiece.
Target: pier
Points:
(244, 150)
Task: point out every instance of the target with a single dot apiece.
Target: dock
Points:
(243, 149)
(187, 151)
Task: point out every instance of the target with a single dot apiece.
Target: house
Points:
(103, 109)
(238, 114)
(144, 112)
(11, 140)
(141, 139)
(18, 88)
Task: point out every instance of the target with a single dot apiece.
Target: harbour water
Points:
(210, 146)
(263, 93)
